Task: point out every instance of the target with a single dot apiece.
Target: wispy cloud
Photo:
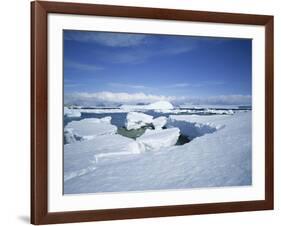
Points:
(125, 85)
(68, 85)
(82, 66)
(195, 85)
(110, 98)
(136, 48)
(179, 85)
(142, 55)
(106, 38)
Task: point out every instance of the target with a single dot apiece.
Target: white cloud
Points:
(195, 85)
(82, 66)
(91, 99)
(125, 85)
(107, 39)
(141, 47)
(110, 99)
(179, 85)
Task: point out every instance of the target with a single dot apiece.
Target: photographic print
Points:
(149, 112)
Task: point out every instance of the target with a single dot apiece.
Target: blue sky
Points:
(104, 67)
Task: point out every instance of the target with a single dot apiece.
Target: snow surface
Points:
(136, 120)
(90, 128)
(157, 105)
(70, 137)
(221, 156)
(194, 125)
(83, 157)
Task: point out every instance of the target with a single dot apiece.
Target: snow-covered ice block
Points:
(136, 120)
(160, 105)
(72, 113)
(153, 140)
(70, 137)
(83, 157)
(106, 119)
(91, 127)
(159, 122)
(195, 125)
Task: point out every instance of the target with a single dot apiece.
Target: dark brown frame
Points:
(39, 115)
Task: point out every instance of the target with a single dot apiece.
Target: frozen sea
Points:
(219, 152)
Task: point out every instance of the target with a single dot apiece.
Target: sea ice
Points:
(91, 127)
(153, 140)
(220, 111)
(209, 106)
(136, 120)
(102, 111)
(70, 137)
(82, 157)
(159, 122)
(217, 159)
(191, 127)
(171, 111)
(72, 113)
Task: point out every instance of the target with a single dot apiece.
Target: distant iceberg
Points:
(159, 105)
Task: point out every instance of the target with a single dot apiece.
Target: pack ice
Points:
(86, 129)
(71, 113)
(218, 155)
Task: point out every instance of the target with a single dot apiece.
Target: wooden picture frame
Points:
(39, 112)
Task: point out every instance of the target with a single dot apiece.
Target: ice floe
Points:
(70, 137)
(154, 140)
(91, 127)
(71, 113)
(136, 120)
(159, 122)
(220, 111)
(192, 125)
